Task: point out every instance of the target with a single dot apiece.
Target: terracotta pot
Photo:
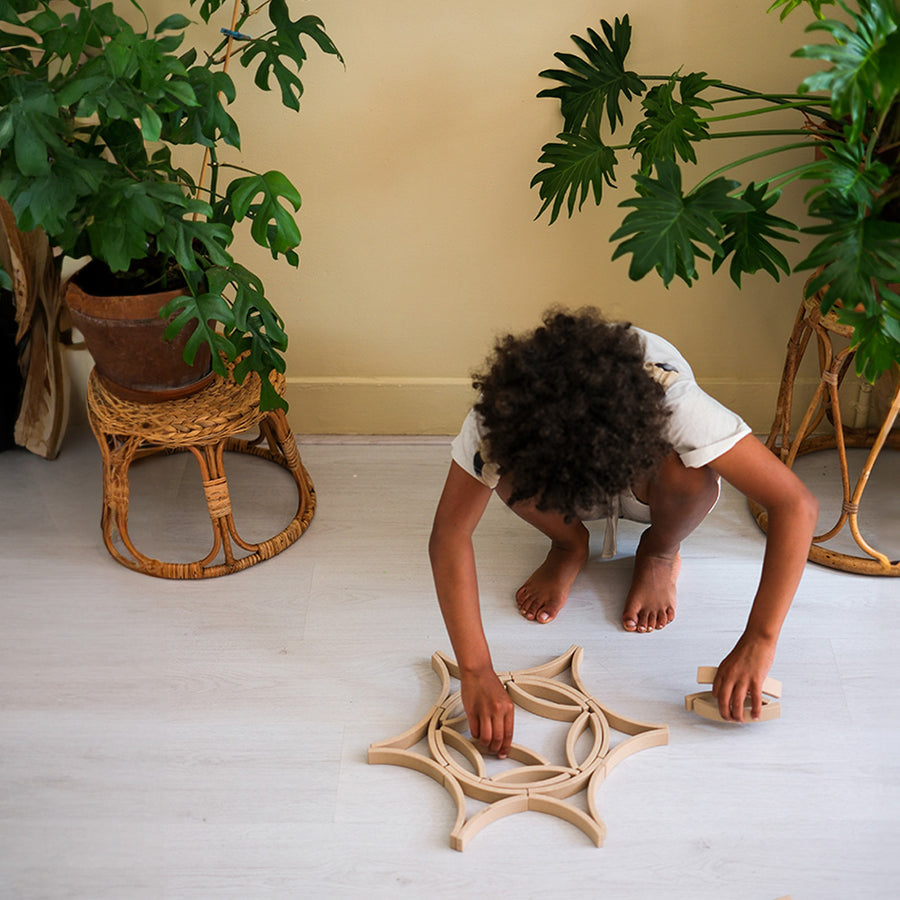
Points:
(125, 335)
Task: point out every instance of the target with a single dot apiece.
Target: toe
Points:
(525, 603)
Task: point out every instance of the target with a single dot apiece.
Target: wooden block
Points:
(707, 675)
(705, 704)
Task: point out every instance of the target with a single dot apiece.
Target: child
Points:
(583, 418)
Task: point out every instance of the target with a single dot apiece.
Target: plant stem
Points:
(778, 97)
(758, 133)
(230, 43)
(753, 156)
(758, 111)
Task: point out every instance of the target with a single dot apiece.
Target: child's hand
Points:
(489, 710)
(742, 673)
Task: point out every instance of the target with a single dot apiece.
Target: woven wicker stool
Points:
(206, 424)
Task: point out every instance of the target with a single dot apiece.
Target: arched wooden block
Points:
(707, 675)
(705, 704)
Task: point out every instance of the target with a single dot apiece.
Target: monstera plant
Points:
(847, 115)
(95, 114)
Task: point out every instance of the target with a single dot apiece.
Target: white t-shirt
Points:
(699, 428)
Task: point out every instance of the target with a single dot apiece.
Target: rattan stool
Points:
(206, 424)
(833, 366)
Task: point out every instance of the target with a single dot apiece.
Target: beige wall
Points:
(419, 243)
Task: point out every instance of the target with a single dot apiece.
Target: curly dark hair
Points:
(572, 416)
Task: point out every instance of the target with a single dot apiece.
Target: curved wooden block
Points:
(705, 704)
(707, 675)
(593, 828)
(465, 831)
(462, 745)
(555, 666)
(600, 728)
(429, 767)
(546, 698)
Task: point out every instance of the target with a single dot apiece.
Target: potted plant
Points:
(849, 114)
(93, 114)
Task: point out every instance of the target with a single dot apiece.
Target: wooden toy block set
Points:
(456, 762)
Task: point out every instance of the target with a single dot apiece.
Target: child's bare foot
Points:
(545, 593)
(650, 604)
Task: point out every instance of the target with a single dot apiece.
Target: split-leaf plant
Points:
(94, 112)
(848, 117)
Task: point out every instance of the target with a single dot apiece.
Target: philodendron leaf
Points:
(256, 331)
(208, 7)
(857, 257)
(790, 5)
(209, 121)
(876, 339)
(34, 129)
(858, 267)
(577, 166)
(845, 170)
(204, 310)
(864, 75)
(285, 46)
(666, 228)
(259, 197)
(596, 81)
(670, 126)
(747, 234)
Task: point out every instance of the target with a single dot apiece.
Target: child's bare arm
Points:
(792, 512)
(487, 705)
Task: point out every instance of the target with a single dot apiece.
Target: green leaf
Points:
(255, 329)
(596, 81)
(208, 7)
(151, 124)
(791, 5)
(175, 22)
(861, 59)
(271, 188)
(845, 170)
(746, 237)
(876, 340)
(666, 228)
(670, 127)
(188, 240)
(285, 44)
(577, 165)
(209, 121)
(201, 311)
(35, 128)
(858, 255)
(49, 199)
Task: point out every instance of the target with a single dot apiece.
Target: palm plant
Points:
(849, 114)
(93, 112)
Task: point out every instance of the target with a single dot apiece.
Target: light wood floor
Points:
(164, 739)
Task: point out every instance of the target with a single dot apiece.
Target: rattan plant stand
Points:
(834, 363)
(206, 424)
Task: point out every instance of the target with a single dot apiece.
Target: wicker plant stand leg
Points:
(205, 424)
(833, 366)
